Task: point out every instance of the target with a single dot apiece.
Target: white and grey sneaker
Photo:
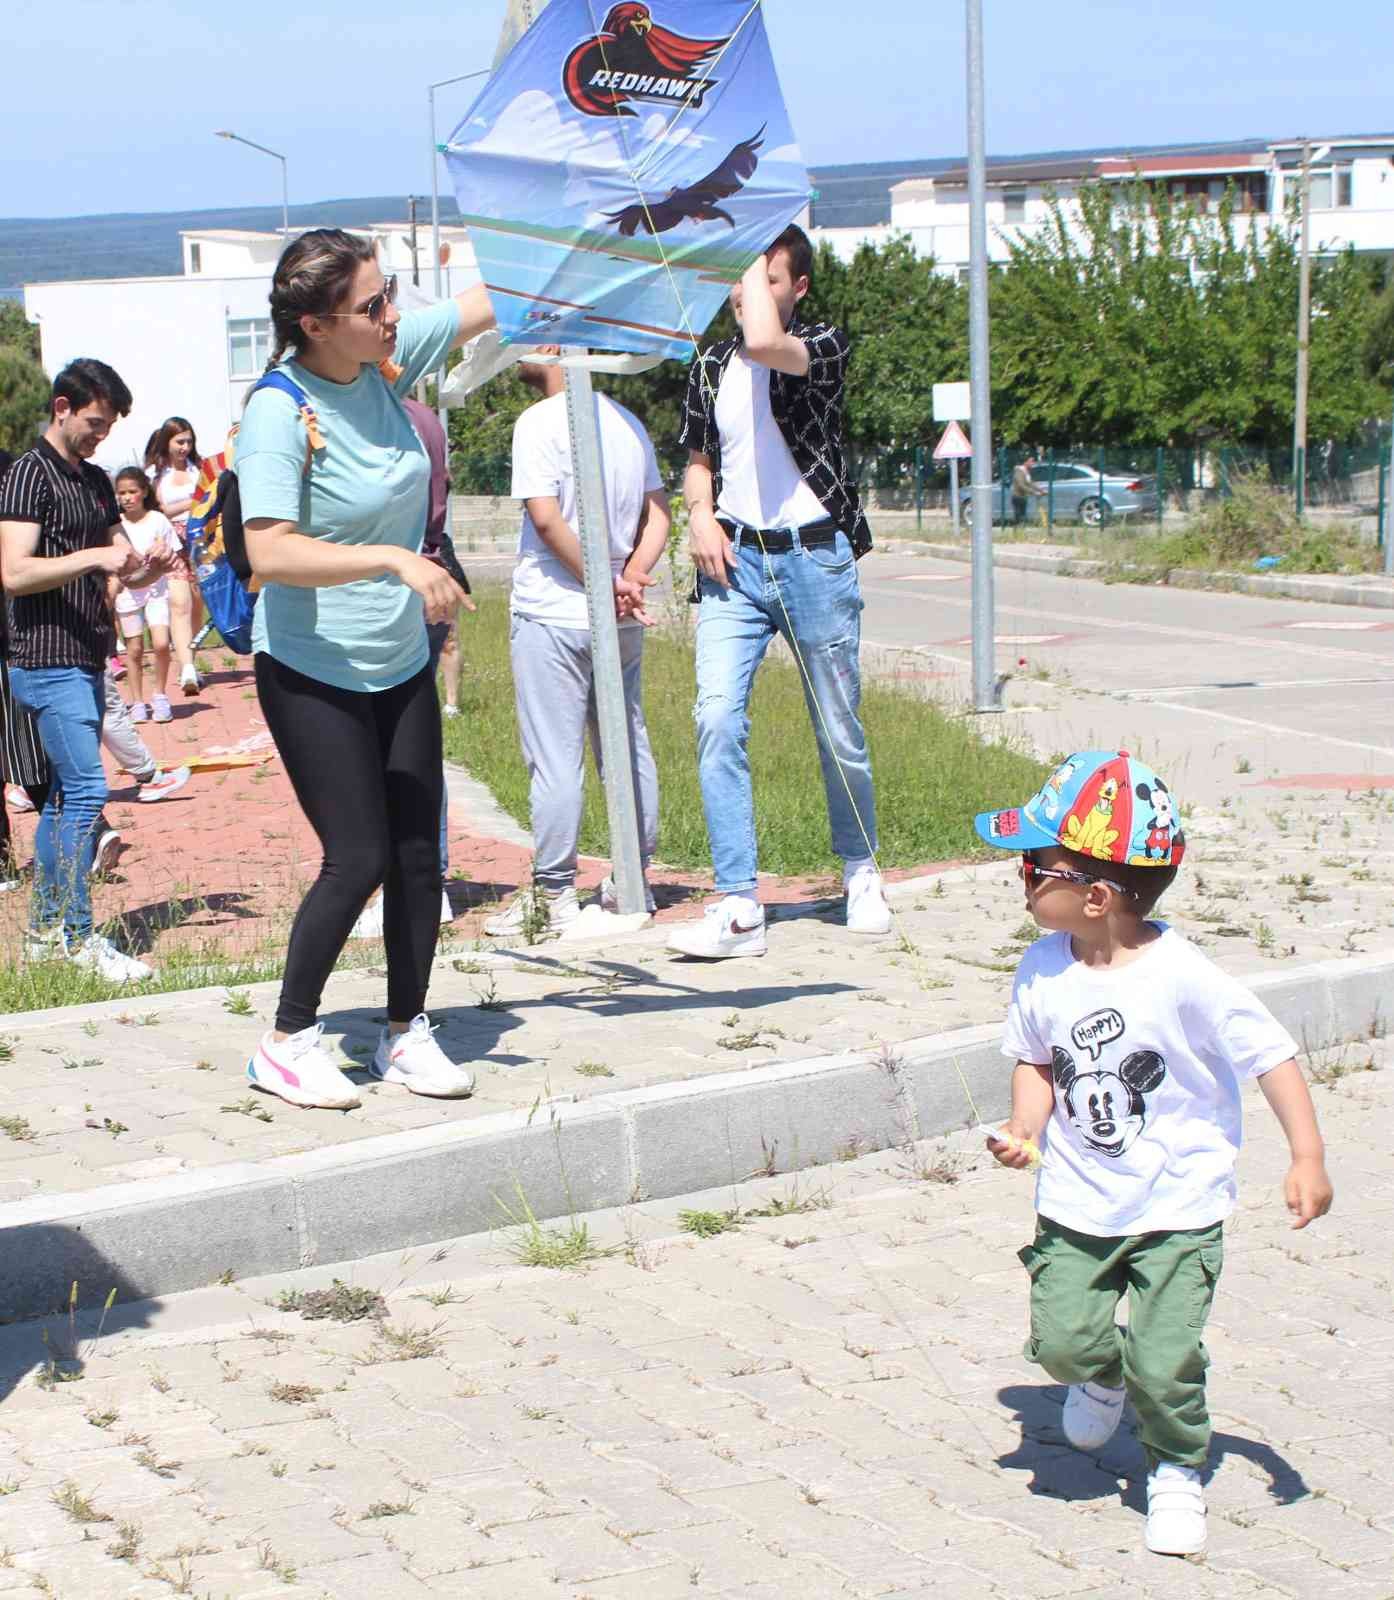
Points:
(297, 1069)
(1175, 1510)
(610, 897)
(734, 926)
(418, 1063)
(107, 853)
(867, 911)
(98, 954)
(1091, 1414)
(534, 908)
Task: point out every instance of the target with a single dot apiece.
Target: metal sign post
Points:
(984, 678)
(607, 676)
(953, 403)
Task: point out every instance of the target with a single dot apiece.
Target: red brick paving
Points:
(227, 859)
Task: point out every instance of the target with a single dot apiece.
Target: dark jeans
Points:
(1018, 510)
(366, 769)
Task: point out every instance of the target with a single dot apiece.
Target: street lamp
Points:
(222, 133)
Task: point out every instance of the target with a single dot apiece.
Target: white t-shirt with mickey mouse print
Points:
(1147, 1060)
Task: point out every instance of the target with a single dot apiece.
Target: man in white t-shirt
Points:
(777, 529)
(550, 644)
(1131, 1049)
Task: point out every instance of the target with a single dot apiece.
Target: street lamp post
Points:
(222, 133)
(985, 693)
(431, 88)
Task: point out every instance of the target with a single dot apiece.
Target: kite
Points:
(609, 176)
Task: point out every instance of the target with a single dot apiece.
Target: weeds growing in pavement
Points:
(534, 1245)
(793, 1203)
(237, 1003)
(126, 1545)
(341, 1302)
(388, 1508)
(249, 1106)
(406, 1343)
(70, 1499)
(933, 771)
(587, 1069)
(707, 1224)
(65, 1365)
(16, 1128)
(293, 1394)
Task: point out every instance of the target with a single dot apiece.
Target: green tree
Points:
(1379, 340)
(24, 394)
(17, 331)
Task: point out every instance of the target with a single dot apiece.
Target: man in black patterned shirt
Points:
(60, 540)
(776, 530)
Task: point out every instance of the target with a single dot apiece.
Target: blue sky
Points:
(114, 106)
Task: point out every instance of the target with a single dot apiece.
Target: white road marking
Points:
(932, 577)
(1337, 627)
(1267, 683)
(1304, 735)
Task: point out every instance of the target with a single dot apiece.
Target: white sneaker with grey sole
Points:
(534, 909)
(1175, 1510)
(1091, 1414)
(298, 1070)
(729, 928)
(418, 1063)
(610, 897)
(98, 954)
(867, 911)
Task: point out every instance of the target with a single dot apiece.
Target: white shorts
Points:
(141, 606)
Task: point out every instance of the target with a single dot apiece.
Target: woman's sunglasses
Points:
(1032, 872)
(376, 308)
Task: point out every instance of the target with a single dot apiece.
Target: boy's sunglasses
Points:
(376, 308)
(1032, 872)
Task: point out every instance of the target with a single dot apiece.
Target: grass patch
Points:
(707, 1224)
(932, 771)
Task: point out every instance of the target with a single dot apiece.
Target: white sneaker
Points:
(159, 709)
(447, 911)
(100, 955)
(450, 711)
(108, 851)
(728, 928)
(163, 784)
(140, 712)
(298, 1070)
(415, 1060)
(188, 679)
(610, 897)
(1175, 1511)
(533, 907)
(1091, 1414)
(867, 911)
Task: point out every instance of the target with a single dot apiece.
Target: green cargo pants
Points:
(1076, 1283)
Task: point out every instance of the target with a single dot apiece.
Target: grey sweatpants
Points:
(120, 737)
(556, 708)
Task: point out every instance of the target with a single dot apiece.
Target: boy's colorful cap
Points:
(1105, 804)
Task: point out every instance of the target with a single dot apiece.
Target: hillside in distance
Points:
(146, 244)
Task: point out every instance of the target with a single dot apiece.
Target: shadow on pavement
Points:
(138, 928)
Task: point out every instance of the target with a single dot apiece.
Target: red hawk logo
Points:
(633, 58)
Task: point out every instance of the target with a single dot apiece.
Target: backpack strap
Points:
(276, 379)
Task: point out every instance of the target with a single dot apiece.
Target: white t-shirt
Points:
(143, 535)
(1147, 1061)
(761, 484)
(544, 589)
(171, 485)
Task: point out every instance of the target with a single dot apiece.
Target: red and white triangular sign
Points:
(954, 445)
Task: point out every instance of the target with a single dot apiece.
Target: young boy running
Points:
(1131, 1048)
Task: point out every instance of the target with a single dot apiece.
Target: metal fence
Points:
(1128, 486)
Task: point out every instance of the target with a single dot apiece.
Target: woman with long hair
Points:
(171, 464)
(334, 504)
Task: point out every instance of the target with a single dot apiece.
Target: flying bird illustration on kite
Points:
(695, 202)
(635, 57)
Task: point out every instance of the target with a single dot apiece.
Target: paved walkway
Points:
(825, 1403)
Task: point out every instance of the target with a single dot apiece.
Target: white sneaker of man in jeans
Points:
(549, 638)
(776, 530)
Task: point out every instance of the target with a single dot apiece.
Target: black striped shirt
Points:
(75, 508)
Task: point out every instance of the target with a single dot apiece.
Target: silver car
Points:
(1080, 494)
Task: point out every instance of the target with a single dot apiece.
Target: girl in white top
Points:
(172, 465)
(143, 601)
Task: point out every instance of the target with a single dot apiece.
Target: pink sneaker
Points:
(116, 666)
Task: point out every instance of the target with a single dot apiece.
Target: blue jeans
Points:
(68, 704)
(812, 598)
(436, 635)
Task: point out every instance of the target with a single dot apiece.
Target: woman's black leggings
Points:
(366, 769)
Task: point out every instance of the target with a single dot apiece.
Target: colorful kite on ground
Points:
(623, 168)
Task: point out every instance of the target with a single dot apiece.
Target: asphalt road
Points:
(1228, 684)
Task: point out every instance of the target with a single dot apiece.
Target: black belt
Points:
(780, 540)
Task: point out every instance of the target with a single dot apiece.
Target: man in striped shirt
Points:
(60, 540)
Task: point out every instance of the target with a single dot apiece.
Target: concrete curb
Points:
(160, 1236)
(1337, 592)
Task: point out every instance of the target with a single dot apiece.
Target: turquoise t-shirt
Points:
(369, 485)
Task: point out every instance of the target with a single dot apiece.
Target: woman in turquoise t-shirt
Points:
(334, 515)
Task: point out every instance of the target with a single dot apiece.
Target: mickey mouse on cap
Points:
(1105, 804)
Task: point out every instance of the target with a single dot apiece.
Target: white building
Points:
(1352, 195)
(191, 345)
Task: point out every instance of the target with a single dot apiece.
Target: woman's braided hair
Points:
(311, 278)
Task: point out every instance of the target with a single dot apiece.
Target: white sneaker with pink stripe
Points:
(298, 1070)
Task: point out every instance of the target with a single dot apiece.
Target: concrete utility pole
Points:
(985, 697)
(592, 515)
(1304, 329)
(1389, 508)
